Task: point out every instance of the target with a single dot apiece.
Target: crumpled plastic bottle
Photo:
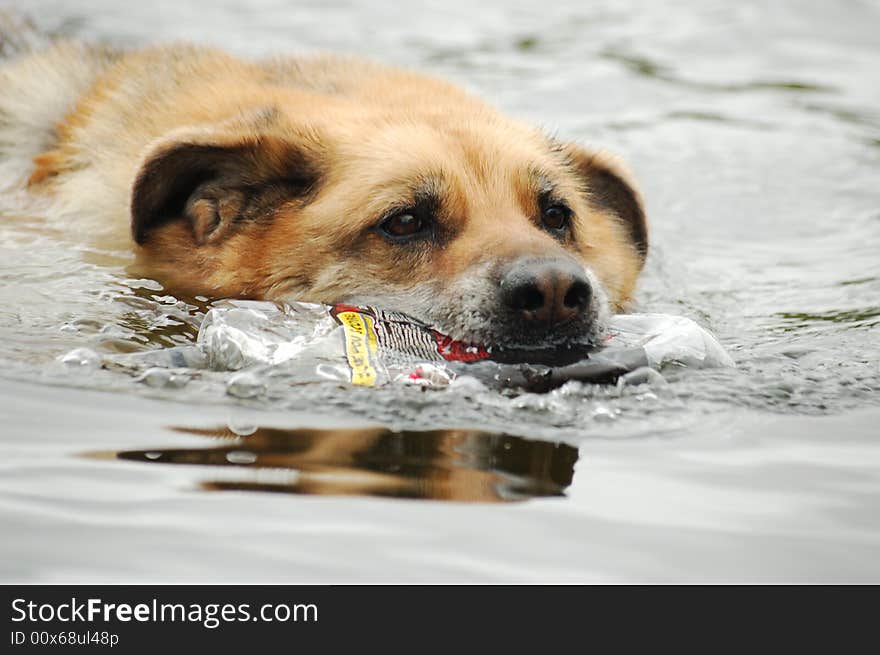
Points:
(367, 346)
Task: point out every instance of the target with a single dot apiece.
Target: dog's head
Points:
(474, 223)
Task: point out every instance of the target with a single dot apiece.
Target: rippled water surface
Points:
(754, 130)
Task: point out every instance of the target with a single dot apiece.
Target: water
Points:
(755, 134)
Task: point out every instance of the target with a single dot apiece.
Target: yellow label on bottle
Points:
(360, 346)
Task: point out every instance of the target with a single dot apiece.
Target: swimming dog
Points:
(326, 179)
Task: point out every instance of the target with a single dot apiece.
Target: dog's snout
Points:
(546, 291)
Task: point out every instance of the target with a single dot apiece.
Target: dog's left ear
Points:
(220, 177)
(609, 187)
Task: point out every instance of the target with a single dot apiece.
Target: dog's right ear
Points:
(219, 179)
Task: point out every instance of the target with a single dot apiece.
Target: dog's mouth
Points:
(566, 344)
(560, 354)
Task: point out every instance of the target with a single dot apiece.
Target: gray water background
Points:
(754, 130)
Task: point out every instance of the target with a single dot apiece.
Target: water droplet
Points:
(245, 385)
(161, 377)
(242, 425)
(240, 457)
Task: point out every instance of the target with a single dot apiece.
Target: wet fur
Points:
(266, 179)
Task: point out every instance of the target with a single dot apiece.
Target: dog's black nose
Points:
(546, 291)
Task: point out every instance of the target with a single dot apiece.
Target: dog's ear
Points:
(217, 179)
(609, 187)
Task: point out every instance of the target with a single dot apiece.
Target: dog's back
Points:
(37, 91)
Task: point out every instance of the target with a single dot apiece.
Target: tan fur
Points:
(368, 133)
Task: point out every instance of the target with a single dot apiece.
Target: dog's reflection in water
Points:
(458, 465)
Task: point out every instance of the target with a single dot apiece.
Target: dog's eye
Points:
(405, 225)
(556, 217)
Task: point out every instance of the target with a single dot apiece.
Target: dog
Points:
(326, 179)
